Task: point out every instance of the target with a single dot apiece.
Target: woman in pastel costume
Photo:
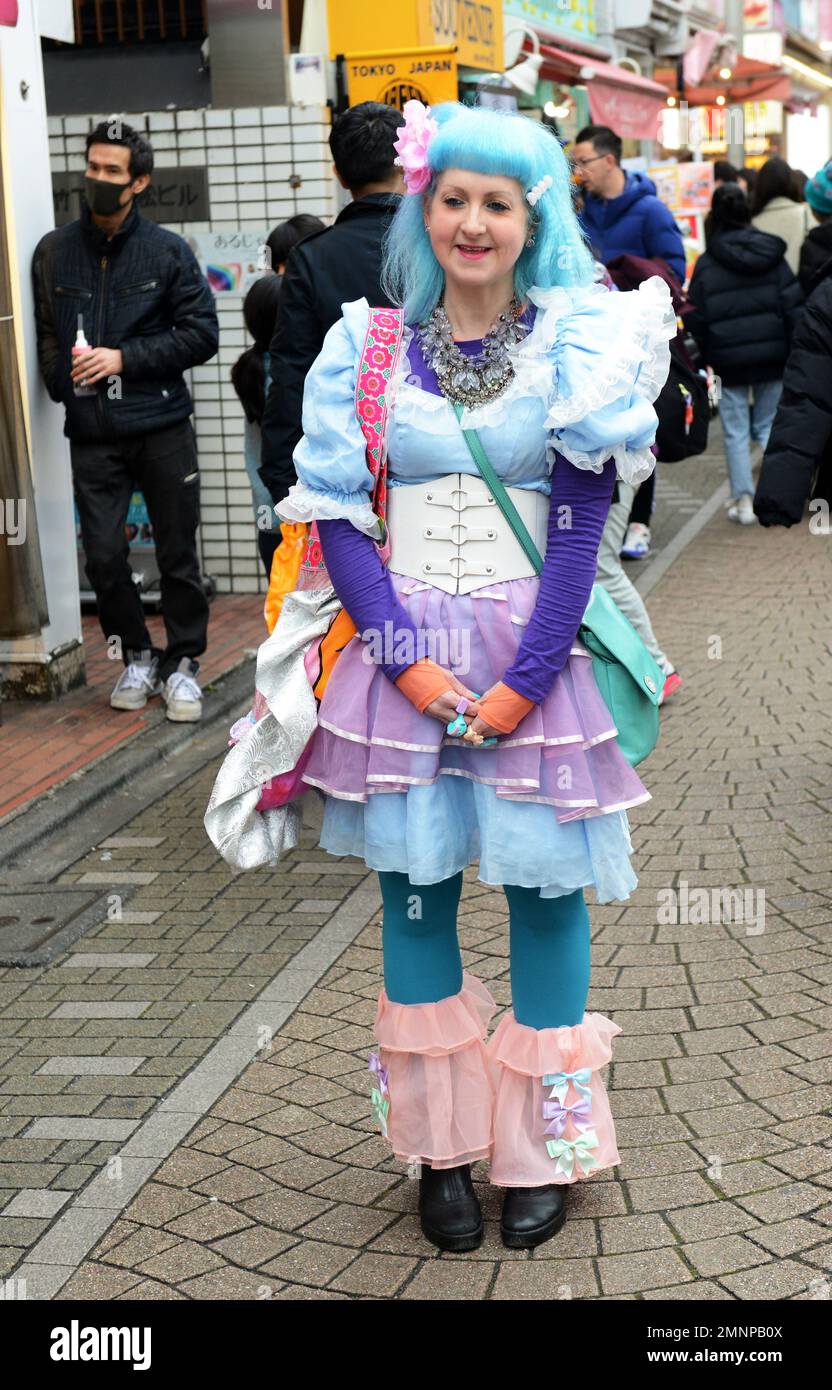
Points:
(532, 784)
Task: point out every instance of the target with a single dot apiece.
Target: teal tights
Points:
(548, 945)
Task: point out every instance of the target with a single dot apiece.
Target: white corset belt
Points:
(452, 533)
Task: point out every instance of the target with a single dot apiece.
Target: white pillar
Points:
(52, 661)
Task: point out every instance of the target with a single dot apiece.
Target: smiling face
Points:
(479, 224)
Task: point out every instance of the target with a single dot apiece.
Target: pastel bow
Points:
(380, 1109)
(581, 1113)
(567, 1151)
(560, 1081)
(379, 1071)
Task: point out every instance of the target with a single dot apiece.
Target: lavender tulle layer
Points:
(546, 808)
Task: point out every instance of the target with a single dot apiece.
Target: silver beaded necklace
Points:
(475, 380)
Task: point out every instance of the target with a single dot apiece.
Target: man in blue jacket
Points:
(622, 215)
(148, 315)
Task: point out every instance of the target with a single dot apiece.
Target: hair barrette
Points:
(535, 194)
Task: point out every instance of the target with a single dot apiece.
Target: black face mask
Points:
(103, 197)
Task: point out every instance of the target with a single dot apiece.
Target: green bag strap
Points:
(505, 503)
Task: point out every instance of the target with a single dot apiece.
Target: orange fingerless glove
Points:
(503, 708)
(423, 682)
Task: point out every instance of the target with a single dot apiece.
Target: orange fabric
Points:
(283, 576)
(340, 631)
(424, 682)
(503, 708)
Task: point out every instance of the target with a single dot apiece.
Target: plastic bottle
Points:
(81, 346)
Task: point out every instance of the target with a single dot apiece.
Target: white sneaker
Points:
(636, 542)
(182, 695)
(137, 683)
(743, 510)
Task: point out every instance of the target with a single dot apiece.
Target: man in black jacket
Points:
(147, 314)
(326, 270)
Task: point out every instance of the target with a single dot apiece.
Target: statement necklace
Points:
(475, 380)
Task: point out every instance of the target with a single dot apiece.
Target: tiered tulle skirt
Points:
(545, 808)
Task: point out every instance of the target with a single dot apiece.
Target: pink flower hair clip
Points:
(412, 146)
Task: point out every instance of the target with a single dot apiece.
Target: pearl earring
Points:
(530, 241)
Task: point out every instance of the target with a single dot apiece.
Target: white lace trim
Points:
(631, 465)
(635, 356)
(641, 359)
(305, 503)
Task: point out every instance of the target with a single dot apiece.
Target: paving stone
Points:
(94, 1282)
(183, 1261)
(208, 1222)
(348, 1225)
(723, 1255)
(789, 1237)
(718, 1218)
(312, 1262)
(666, 1194)
(37, 1202)
(782, 1279)
(448, 1280)
(621, 1234)
(227, 1283)
(549, 1279)
(158, 1203)
(286, 1210)
(636, 1271)
(792, 1199)
(253, 1247)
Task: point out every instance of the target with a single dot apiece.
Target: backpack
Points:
(683, 410)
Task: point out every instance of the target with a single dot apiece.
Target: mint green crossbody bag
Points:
(629, 680)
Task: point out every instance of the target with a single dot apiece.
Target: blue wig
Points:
(489, 142)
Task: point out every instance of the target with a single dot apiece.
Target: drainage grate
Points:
(39, 921)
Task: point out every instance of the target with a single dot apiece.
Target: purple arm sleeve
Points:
(366, 590)
(566, 579)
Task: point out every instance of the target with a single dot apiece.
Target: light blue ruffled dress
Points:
(585, 379)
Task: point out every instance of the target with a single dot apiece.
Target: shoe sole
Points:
(183, 716)
(626, 555)
(526, 1240)
(116, 702)
(470, 1241)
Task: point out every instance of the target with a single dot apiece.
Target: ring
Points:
(457, 726)
(462, 704)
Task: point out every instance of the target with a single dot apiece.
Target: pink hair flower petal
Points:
(412, 146)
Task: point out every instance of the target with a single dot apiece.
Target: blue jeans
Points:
(741, 422)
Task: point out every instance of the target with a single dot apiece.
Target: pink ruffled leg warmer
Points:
(552, 1120)
(433, 1093)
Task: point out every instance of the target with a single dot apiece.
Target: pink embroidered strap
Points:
(379, 360)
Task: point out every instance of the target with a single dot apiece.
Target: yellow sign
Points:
(374, 26)
(475, 26)
(415, 74)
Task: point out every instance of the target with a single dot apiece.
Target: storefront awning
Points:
(749, 81)
(629, 104)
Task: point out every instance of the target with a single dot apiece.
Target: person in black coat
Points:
(148, 314)
(746, 304)
(798, 460)
(817, 248)
(333, 267)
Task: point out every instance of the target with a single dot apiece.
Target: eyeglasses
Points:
(582, 163)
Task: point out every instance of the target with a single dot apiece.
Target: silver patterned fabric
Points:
(245, 837)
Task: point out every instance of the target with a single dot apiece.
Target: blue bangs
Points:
(490, 142)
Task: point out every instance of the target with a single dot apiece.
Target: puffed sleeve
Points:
(611, 357)
(334, 481)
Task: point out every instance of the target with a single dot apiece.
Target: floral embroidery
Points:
(379, 359)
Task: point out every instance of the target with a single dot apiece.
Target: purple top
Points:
(365, 588)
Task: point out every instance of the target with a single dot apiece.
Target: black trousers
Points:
(642, 508)
(164, 466)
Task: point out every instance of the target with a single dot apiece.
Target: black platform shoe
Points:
(449, 1209)
(532, 1214)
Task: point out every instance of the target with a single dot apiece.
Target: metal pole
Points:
(735, 115)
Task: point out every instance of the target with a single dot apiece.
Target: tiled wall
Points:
(250, 155)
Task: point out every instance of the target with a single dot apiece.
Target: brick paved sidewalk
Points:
(42, 743)
(721, 1080)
